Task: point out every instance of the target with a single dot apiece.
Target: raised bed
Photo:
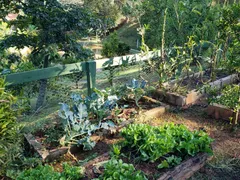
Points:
(183, 171)
(50, 155)
(193, 95)
(218, 111)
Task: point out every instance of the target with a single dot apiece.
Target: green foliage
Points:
(229, 28)
(117, 169)
(72, 172)
(106, 10)
(8, 127)
(114, 47)
(184, 18)
(49, 27)
(170, 162)
(229, 97)
(76, 121)
(116, 151)
(151, 143)
(47, 172)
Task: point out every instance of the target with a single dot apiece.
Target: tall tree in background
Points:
(47, 26)
(184, 18)
(107, 10)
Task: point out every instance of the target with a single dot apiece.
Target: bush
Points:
(8, 128)
(114, 47)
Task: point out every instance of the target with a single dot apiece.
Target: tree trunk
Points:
(42, 87)
(42, 92)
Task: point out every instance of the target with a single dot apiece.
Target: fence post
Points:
(91, 76)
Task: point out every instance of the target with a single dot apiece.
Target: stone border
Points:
(221, 112)
(194, 95)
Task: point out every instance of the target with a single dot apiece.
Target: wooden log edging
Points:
(186, 169)
(50, 155)
(44, 154)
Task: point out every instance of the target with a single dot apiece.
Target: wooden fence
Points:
(89, 67)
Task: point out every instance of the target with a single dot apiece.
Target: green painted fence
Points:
(89, 67)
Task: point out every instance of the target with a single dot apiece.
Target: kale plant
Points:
(135, 90)
(78, 126)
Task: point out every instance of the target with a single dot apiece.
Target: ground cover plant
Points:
(152, 143)
(47, 172)
(116, 169)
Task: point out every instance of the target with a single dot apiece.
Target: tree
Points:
(106, 10)
(47, 26)
(184, 18)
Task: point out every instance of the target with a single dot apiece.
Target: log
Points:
(186, 169)
(37, 146)
(149, 100)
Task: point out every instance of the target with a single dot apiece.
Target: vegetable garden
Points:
(168, 109)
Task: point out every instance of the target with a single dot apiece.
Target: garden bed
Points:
(218, 111)
(183, 171)
(193, 93)
(49, 153)
(163, 152)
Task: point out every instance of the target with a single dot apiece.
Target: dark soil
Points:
(225, 163)
(192, 83)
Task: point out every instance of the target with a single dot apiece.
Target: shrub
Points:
(114, 47)
(8, 126)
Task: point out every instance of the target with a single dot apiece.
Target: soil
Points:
(225, 163)
(192, 83)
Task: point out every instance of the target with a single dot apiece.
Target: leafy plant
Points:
(8, 126)
(184, 18)
(117, 169)
(229, 28)
(170, 162)
(77, 125)
(47, 172)
(152, 143)
(135, 90)
(116, 151)
(229, 97)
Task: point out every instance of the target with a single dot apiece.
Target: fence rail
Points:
(89, 67)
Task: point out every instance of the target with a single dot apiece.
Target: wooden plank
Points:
(59, 70)
(42, 152)
(117, 61)
(91, 76)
